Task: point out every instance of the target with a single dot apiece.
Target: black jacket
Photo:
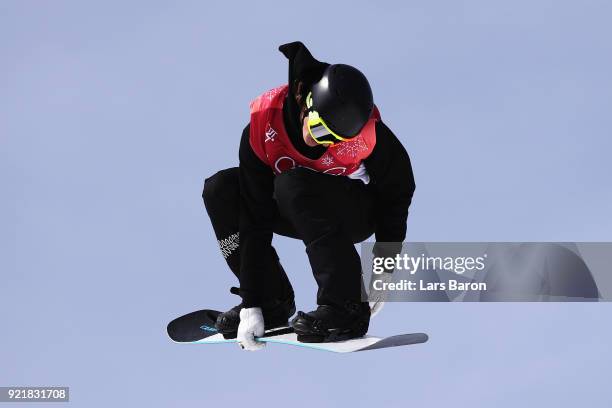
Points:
(388, 165)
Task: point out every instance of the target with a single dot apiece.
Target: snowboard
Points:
(199, 328)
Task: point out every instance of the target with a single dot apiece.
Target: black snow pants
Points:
(328, 213)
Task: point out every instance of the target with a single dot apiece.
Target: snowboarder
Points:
(316, 163)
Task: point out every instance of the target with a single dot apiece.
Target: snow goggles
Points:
(320, 132)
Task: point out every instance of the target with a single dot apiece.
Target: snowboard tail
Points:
(193, 326)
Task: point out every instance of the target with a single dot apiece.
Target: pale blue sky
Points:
(112, 114)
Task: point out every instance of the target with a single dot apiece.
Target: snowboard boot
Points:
(276, 314)
(332, 323)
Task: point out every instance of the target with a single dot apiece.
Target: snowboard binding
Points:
(276, 314)
(332, 323)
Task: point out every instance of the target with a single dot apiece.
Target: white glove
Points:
(376, 306)
(377, 298)
(251, 326)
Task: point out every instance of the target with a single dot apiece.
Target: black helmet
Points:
(343, 99)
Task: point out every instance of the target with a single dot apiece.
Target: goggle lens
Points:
(317, 128)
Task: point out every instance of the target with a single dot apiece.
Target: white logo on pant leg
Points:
(229, 244)
(270, 133)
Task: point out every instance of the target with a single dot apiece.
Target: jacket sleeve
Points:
(257, 214)
(393, 182)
